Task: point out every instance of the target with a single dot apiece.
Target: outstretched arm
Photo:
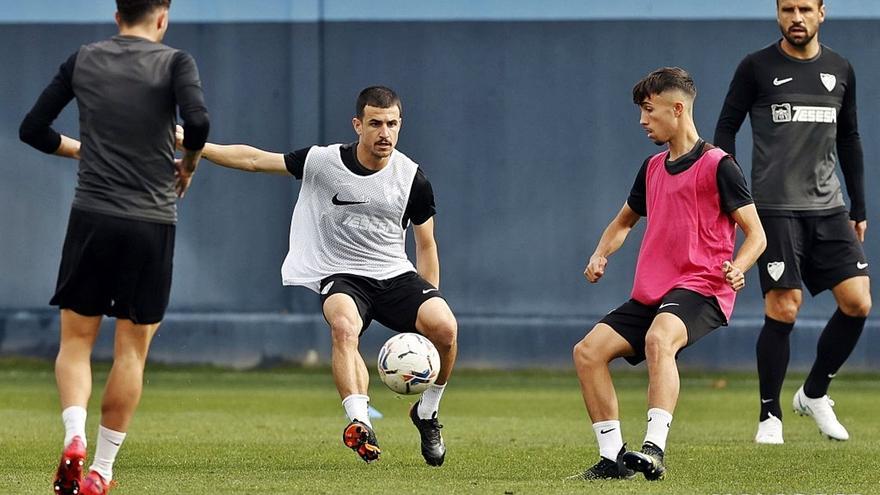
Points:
(241, 157)
(427, 258)
(612, 238)
(754, 244)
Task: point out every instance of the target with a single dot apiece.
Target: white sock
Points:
(658, 427)
(429, 404)
(357, 407)
(74, 418)
(609, 437)
(108, 442)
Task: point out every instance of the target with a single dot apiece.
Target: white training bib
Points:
(347, 223)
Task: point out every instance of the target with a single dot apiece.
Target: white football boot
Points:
(821, 411)
(769, 431)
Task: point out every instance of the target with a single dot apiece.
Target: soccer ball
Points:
(408, 363)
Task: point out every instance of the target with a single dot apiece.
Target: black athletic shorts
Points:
(700, 314)
(115, 266)
(817, 251)
(394, 302)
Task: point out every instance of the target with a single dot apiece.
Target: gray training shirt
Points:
(128, 90)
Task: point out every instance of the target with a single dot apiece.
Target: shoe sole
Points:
(355, 438)
(68, 476)
(644, 464)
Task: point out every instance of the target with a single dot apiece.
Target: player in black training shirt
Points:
(118, 252)
(801, 97)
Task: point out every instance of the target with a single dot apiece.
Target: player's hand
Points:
(178, 137)
(735, 278)
(860, 228)
(182, 176)
(595, 268)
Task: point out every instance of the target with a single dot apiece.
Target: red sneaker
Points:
(94, 484)
(70, 470)
(360, 438)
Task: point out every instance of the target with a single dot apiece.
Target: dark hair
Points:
(821, 3)
(379, 97)
(134, 11)
(664, 79)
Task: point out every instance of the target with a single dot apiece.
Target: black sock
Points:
(836, 343)
(772, 351)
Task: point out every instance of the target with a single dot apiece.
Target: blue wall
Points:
(526, 130)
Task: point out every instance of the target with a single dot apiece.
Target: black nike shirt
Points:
(803, 118)
(732, 187)
(420, 207)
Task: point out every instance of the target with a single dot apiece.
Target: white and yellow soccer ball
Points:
(408, 363)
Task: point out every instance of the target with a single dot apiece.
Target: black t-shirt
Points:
(803, 118)
(420, 207)
(732, 185)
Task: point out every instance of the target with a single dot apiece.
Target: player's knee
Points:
(587, 356)
(785, 308)
(445, 334)
(659, 344)
(857, 308)
(344, 331)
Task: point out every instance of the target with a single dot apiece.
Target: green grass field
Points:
(206, 431)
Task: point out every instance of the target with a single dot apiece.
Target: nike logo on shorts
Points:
(326, 288)
(425, 291)
(668, 304)
(861, 266)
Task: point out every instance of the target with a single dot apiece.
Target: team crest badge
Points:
(775, 269)
(828, 80)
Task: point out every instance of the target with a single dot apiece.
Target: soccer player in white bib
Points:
(347, 242)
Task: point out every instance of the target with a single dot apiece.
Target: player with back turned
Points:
(801, 97)
(118, 252)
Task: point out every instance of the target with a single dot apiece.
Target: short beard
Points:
(794, 42)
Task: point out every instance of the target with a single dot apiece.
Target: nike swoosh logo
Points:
(602, 432)
(780, 82)
(339, 202)
(832, 375)
(861, 266)
(668, 304)
(114, 443)
(764, 401)
(425, 291)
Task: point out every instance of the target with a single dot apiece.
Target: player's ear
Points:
(356, 123)
(679, 108)
(118, 19)
(162, 20)
(822, 13)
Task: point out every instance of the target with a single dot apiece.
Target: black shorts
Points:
(700, 314)
(394, 302)
(116, 267)
(818, 252)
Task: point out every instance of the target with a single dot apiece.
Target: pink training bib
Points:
(688, 236)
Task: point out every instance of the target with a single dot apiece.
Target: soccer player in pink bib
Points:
(693, 195)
